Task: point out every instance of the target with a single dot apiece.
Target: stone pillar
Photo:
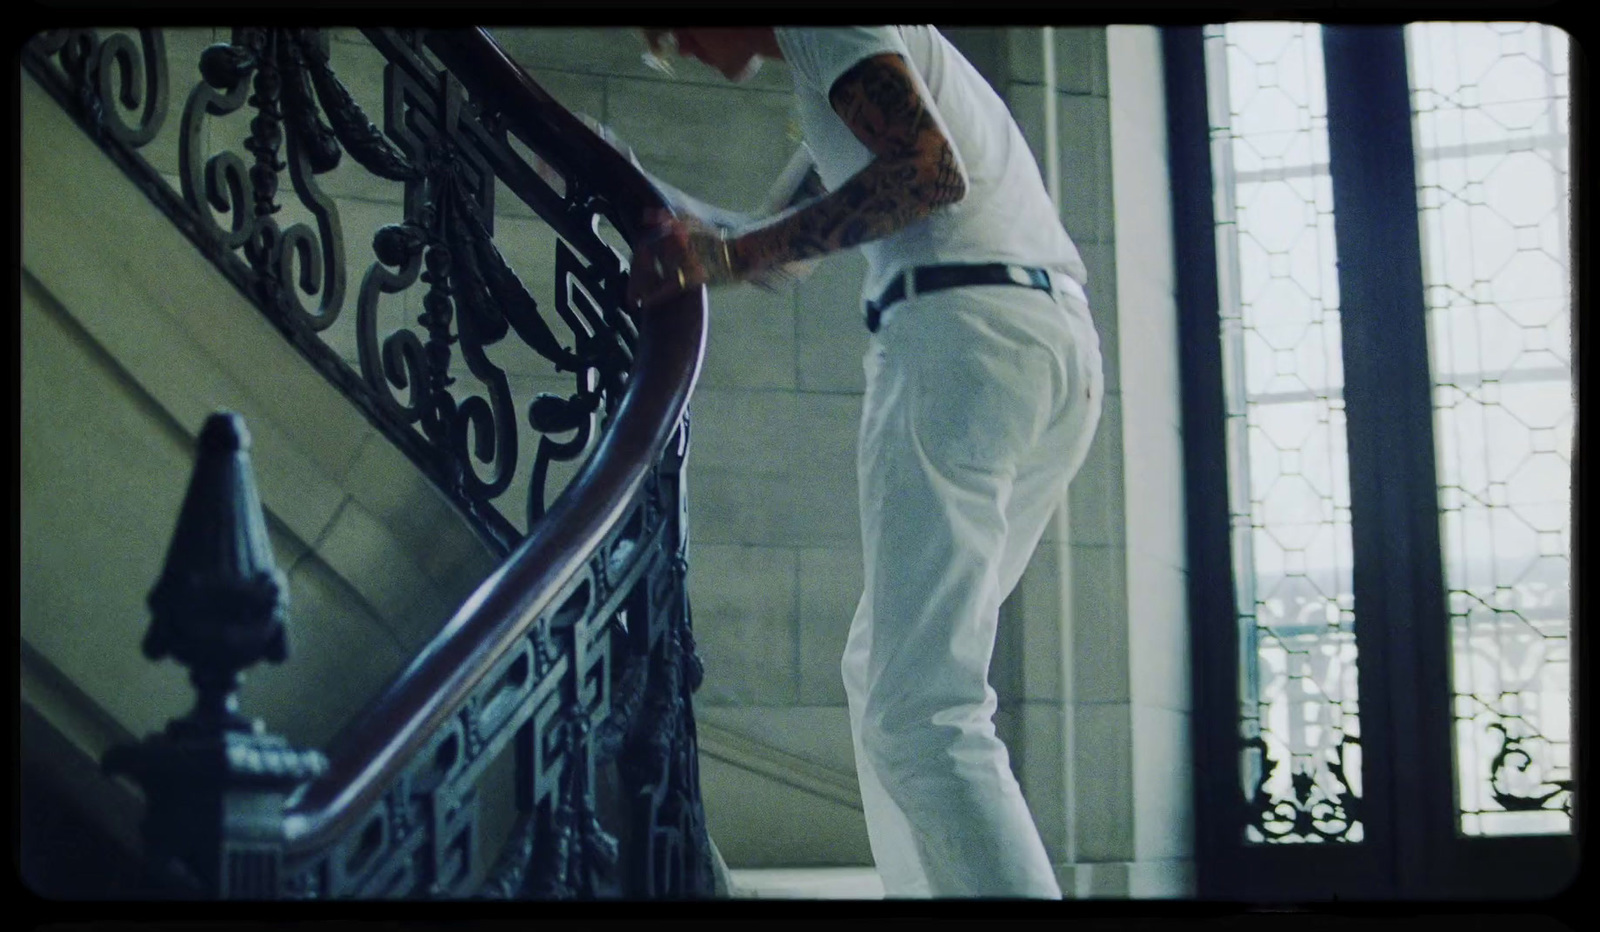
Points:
(1092, 667)
(1152, 455)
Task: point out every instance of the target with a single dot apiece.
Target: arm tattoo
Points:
(913, 172)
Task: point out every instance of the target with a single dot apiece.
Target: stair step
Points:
(807, 883)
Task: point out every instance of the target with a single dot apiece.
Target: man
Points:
(983, 390)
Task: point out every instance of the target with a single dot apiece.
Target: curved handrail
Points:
(543, 123)
(382, 740)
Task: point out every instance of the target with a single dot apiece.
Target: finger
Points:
(663, 265)
(657, 254)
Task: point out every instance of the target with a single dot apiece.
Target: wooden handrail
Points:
(383, 739)
(540, 121)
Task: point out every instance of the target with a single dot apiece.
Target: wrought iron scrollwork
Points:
(447, 151)
(449, 200)
(579, 857)
(1512, 756)
(111, 70)
(603, 355)
(639, 656)
(268, 69)
(1313, 808)
(606, 677)
(659, 761)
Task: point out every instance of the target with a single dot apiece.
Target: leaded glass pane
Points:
(1490, 102)
(1289, 490)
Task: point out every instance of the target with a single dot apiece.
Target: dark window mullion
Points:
(1213, 622)
(1400, 608)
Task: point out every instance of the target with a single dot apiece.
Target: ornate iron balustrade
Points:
(439, 388)
(578, 652)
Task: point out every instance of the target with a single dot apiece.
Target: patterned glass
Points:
(1490, 104)
(1289, 491)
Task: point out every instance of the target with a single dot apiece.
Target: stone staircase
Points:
(806, 883)
(794, 883)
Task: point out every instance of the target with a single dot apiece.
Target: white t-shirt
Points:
(1006, 216)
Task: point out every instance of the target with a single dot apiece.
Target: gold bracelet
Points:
(727, 259)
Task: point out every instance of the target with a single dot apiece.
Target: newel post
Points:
(214, 782)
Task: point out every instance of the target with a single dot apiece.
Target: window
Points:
(1374, 290)
(1288, 490)
(1490, 105)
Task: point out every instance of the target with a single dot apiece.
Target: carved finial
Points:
(214, 782)
(221, 604)
(224, 433)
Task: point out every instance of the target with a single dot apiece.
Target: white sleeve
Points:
(819, 56)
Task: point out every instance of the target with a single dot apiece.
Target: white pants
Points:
(980, 405)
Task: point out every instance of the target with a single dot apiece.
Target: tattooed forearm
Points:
(913, 172)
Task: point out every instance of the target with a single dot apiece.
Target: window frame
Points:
(1412, 848)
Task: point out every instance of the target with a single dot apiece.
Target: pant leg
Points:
(961, 389)
(894, 846)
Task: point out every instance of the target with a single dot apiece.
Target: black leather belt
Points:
(928, 278)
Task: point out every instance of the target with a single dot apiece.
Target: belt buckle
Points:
(1019, 276)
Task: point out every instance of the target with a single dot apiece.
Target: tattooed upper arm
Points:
(879, 101)
(914, 170)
